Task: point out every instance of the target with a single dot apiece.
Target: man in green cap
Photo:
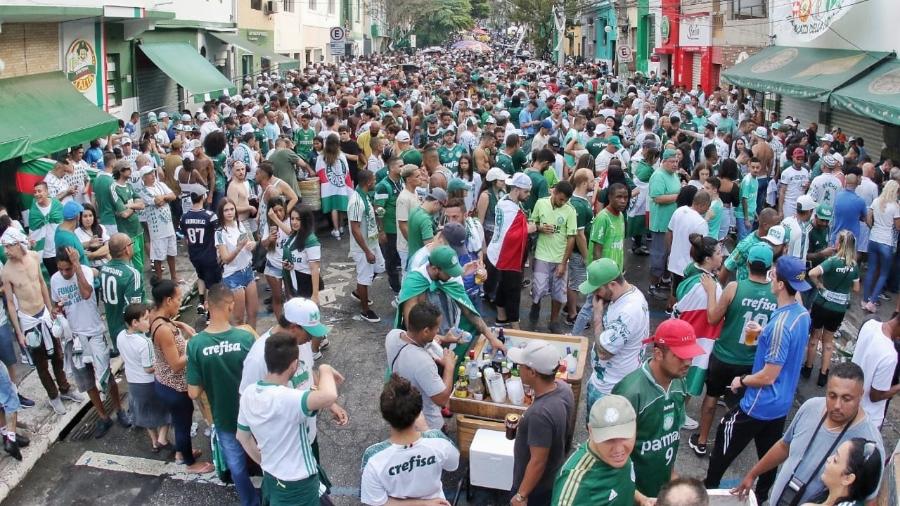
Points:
(600, 471)
(663, 191)
(618, 333)
(439, 282)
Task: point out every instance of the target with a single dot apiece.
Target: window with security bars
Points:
(312, 5)
(256, 5)
(748, 9)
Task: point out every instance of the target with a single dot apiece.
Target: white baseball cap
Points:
(776, 235)
(495, 174)
(305, 313)
(402, 136)
(761, 132)
(806, 203)
(600, 129)
(538, 354)
(827, 138)
(519, 180)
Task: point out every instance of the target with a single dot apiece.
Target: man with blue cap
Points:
(65, 237)
(768, 392)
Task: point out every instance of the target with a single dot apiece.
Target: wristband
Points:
(742, 380)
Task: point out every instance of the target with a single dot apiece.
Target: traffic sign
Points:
(338, 34)
(624, 53)
(338, 49)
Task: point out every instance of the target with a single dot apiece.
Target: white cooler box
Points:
(723, 497)
(491, 460)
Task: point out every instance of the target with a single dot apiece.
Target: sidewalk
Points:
(44, 426)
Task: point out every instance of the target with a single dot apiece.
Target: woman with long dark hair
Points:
(170, 343)
(234, 245)
(93, 236)
(274, 237)
(302, 261)
(851, 474)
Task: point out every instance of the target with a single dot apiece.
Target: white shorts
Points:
(162, 247)
(365, 272)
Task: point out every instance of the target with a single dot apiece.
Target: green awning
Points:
(41, 114)
(181, 62)
(801, 72)
(876, 95)
(284, 63)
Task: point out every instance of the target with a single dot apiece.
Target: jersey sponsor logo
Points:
(221, 348)
(414, 462)
(655, 445)
(759, 304)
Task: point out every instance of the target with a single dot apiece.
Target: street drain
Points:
(81, 428)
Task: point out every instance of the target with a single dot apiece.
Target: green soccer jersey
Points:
(753, 301)
(420, 229)
(520, 160)
(585, 479)
(818, 240)
(120, 285)
(552, 247)
(219, 168)
(717, 210)
(596, 145)
(65, 239)
(749, 188)
(106, 198)
(660, 414)
(505, 162)
(303, 141)
(643, 171)
(412, 156)
(386, 192)
(132, 224)
(539, 190)
(737, 261)
(584, 216)
(837, 281)
(608, 230)
(450, 157)
(215, 362)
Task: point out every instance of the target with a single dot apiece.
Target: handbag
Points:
(796, 488)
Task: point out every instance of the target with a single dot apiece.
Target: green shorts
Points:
(276, 492)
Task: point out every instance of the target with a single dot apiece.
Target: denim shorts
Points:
(240, 279)
(7, 344)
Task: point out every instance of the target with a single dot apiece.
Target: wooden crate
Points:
(496, 411)
(465, 431)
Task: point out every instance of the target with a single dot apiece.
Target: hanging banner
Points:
(806, 20)
(83, 59)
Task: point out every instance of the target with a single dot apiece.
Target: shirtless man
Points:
(204, 166)
(271, 187)
(28, 304)
(482, 154)
(239, 192)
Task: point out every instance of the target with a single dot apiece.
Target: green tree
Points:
(440, 19)
(481, 9)
(537, 17)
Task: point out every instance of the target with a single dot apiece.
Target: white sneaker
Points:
(317, 355)
(336, 234)
(57, 406)
(690, 423)
(73, 396)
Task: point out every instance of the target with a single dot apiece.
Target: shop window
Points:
(749, 9)
(113, 80)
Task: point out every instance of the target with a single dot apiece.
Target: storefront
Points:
(662, 61)
(820, 77)
(694, 55)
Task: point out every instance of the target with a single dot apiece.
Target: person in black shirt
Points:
(198, 226)
(351, 150)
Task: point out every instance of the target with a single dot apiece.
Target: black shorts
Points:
(720, 375)
(300, 284)
(210, 272)
(823, 317)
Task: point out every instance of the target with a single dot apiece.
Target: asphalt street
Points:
(119, 469)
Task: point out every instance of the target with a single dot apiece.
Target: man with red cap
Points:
(656, 391)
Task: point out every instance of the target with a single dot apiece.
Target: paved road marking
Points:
(146, 467)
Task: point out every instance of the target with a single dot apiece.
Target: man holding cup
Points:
(745, 305)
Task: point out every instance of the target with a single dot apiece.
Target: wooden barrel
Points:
(309, 193)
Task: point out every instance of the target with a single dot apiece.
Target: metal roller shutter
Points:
(805, 111)
(157, 91)
(853, 125)
(695, 70)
